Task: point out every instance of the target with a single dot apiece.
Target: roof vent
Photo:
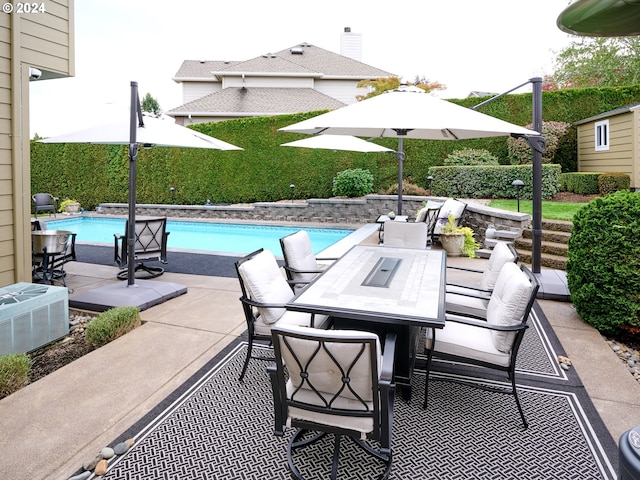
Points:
(297, 51)
(269, 55)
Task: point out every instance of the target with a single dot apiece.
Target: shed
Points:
(610, 142)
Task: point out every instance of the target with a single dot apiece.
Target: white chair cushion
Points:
(450, 206)
(500, 255)
(264, 281)
(405, 235)
(467, 341)
(300, 256)
(290, 318)
(421, 216)
(508, 303)
(458, 302)
(326, 377)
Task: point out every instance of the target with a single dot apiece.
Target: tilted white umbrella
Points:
(338, 142)
(407, 112)
(137, 131)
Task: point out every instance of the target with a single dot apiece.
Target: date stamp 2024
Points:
(24, 8)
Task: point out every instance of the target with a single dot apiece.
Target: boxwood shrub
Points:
(354, 182)
(111, 324)
(603, 270)
(14, 373)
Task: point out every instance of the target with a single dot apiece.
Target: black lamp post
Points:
(429, 182)
(518, 184)
(173, 195)
(293, 188)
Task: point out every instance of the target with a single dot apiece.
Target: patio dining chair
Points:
(405, 234)
(491, 342)
(150, 245)
(300, 263)
(265, 292)
(45, 202)
(337, 382)
(474, 299)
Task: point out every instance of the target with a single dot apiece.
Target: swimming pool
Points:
(205, 236)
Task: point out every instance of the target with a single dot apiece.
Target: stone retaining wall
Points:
(330, 210)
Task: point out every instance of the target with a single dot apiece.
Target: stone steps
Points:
(553, 247)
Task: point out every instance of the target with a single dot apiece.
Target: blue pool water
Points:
(216, 237)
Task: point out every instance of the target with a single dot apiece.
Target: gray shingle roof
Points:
(268, 101)
(312, 60)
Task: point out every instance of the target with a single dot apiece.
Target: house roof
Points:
(610, 113)
(301, 59)
(237, 101)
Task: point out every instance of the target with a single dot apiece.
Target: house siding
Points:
(194, 90)
(44, 41)
(622, 155)
(343, 90)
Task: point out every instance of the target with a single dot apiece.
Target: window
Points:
(602, 135)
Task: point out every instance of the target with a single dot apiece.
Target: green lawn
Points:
(550, 210)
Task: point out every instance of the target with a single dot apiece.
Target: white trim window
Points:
(602, 135)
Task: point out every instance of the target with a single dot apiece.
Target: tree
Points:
(151, 105)
(597, 62)
(380, 85)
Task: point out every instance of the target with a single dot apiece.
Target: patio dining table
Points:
(385, 290)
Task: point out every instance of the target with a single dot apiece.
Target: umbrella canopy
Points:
(407, 112)
(601, 18)
(152, 132)
(338, 142)
(145, 131)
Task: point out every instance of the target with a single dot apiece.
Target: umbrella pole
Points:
(133, 155)
(400, 155)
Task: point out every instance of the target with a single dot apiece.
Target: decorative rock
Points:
(101, 468)
(121, 448)
(564, 366)
(564, 360)
(130, 442)
(81, 476)
(91, 464)
(107, 453)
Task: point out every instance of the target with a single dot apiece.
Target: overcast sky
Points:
(491, 45)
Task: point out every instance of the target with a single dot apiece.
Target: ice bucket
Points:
(54, 240)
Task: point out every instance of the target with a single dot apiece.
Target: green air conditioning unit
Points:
(31, 316)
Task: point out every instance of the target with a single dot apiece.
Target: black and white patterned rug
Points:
(215, 427)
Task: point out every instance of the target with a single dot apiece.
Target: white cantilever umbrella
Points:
(407, 112)
(147, 132)
(338, 142)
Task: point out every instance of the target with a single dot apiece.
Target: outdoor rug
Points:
(216, 427)
(178, 262)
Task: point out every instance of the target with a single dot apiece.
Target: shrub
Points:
(584, 183)
(603, 270)
(354, 182)
(613, 182)
(14, 373)
(471, 156)
(554, 133)
(408, 188)
(111, 324)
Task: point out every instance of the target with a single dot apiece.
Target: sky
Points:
(468, 45)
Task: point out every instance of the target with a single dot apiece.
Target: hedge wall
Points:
(93, 174)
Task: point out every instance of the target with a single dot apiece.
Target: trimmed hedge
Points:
(94, 174)
(613, 182)
(577, 182)
(603, 270)
(492, 181)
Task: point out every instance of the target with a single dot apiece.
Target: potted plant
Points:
(69, 206)
(457, 240)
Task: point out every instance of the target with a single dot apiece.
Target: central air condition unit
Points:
(31, 316)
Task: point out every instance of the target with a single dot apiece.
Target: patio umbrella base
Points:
(553, 285)
(144, 294)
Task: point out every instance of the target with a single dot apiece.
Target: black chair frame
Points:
(45, 202)
(308, 432)
(519, 330)
(48, 268)
(152, 249)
